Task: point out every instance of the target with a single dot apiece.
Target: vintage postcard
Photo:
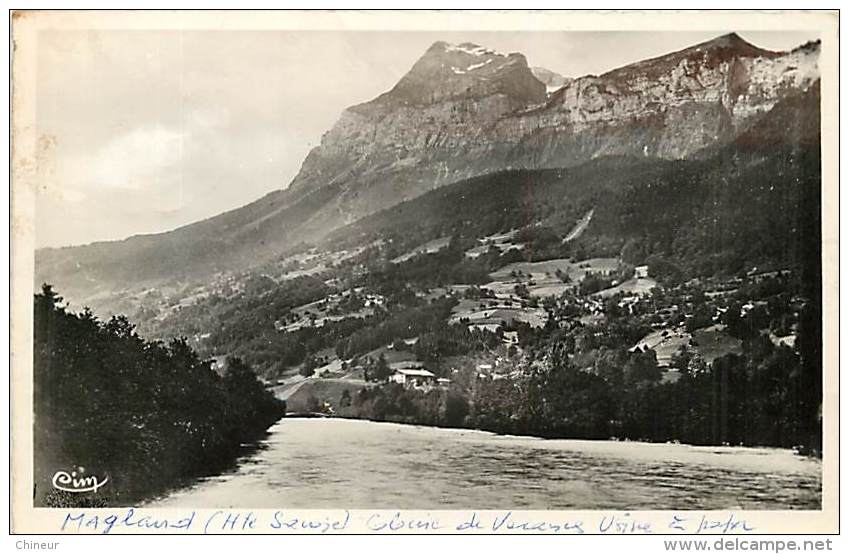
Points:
(424, 272)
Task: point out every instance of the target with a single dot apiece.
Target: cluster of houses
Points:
(502, 241)
(316, 314)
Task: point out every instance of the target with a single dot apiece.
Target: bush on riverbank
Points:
(145, 415)
(387, 402)
(395, 403)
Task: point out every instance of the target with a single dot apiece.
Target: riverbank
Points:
(439, 408)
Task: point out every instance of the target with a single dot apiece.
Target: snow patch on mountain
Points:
(458, 71)
(478, 65)
(472, 49)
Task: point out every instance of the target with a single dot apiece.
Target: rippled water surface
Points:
(333, 463)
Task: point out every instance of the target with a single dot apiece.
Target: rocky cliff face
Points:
(465, 110)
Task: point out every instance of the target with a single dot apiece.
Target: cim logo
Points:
(76, 481)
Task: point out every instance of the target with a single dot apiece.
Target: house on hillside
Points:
(510, 337)
(372, 300)
(219, 365)
(414, 378)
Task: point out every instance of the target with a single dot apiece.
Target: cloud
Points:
(132, 160)
(143, 156)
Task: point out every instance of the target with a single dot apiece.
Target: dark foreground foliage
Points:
(753, 399)
(145, 415)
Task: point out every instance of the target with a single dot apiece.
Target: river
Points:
(336, 463)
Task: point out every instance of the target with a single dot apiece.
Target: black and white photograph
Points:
(388, 267)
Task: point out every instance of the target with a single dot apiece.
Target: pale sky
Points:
(152, 130)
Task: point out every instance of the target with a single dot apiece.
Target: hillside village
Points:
(363, 335)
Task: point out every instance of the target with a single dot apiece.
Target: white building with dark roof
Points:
(414, 378)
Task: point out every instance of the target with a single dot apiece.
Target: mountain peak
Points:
(465, 70)
(709, 53)
(729, 39)
(732, 41)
